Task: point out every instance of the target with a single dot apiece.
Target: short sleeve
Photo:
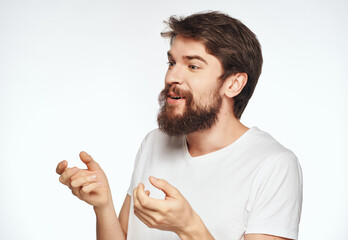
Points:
(137, 168)
(276, 198)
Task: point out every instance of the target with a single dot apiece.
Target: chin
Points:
(176, 111)
(174, 115)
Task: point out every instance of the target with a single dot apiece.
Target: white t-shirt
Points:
(253, 185)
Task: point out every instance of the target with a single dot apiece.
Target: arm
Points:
(91, 186)
(108, 225)
(263, 237)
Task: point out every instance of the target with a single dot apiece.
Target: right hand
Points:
(89, 185)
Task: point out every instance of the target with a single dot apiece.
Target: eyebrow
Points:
(189, 57)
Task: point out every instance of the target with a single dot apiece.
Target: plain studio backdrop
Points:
(85, 75)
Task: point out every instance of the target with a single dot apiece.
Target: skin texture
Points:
(189, 72)
(191, 68)
(91, 185)
(174, 213)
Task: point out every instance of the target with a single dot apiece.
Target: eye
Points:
(170, 64)
(193, 67)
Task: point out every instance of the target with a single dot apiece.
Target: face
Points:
(191, 99)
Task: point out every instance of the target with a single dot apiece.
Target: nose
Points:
(174, 76)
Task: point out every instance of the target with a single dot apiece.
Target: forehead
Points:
(182, 48)
(181, 44)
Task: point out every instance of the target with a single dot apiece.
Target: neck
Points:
(224, 132)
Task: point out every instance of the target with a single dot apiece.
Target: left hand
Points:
(173, 213)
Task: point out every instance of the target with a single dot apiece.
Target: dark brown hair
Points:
(227, 39)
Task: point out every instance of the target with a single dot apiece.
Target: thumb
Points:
(61, 167)
(163, 185)
(88, 160)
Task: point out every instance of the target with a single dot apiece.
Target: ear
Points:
(234, 84)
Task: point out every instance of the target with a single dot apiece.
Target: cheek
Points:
(166, 78)
(206, 96)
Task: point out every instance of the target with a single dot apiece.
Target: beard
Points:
(194, 118)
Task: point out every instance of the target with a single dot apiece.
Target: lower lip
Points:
(174, 101)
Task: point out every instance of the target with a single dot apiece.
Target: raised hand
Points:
(89, 185)
(173, 213)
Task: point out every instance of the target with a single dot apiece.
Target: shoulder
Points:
(266, 146)
(277, 187)
(272, 159)
(276, 161)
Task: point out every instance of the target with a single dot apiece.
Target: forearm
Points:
(108, 225)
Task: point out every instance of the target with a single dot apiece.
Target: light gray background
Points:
(85, 75)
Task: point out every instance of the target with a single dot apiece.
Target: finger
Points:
(135, 199)
(83, 181)
(143, 219)
(88, 160)
(137, 205)
(76, 191)
(90, 187)
(163, 185)
(151, 219)
(80, 173)
(146, 201)
(61, 167)
(66, 175)
(147, 192)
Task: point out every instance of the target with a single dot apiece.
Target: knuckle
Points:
(61, 179)
(144, 202)
(164, 210)
(74, 177)
(84, 190)
(73, 191)
(74, 184)
(150, 225)
(176, 190)
(67, 171)
(136, 205)
(71, 171)
(158, 220)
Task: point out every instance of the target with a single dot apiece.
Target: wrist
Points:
(100, 210)
(195, 230)
(103, 204)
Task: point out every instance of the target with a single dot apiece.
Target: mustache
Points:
(162, 98)
(177, 91)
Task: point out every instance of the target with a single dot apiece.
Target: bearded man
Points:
(210, 177)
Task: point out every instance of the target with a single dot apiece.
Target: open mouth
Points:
(173, 98)
(176, 97)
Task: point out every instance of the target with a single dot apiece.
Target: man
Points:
(215, 177)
